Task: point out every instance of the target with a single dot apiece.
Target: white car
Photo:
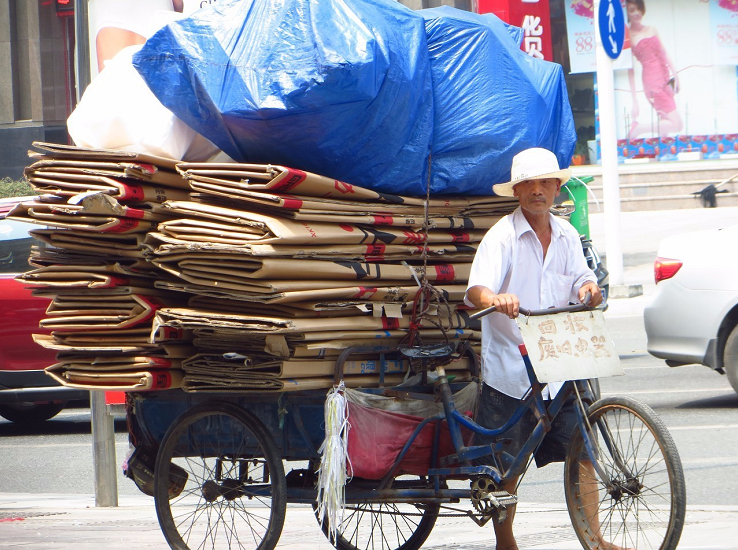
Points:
(693, 317)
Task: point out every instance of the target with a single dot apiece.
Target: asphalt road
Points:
(697, 405)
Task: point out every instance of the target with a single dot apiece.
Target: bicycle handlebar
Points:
(532, 313)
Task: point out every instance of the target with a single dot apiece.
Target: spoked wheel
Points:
(642, 505)
(386, 526)
(219, 482)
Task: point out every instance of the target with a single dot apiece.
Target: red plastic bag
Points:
(377, 436)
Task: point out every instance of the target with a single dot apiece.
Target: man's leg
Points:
(589, 488)
(505, 539)
(494, 409)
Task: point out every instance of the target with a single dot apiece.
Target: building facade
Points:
(37, 90)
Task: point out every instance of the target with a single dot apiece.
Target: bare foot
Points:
(513, 547)
(604, 545)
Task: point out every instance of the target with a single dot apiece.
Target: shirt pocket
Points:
(562, 291)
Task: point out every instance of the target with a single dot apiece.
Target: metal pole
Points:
(608, 143)
(103, 431)
(103, 451)
(82, 47)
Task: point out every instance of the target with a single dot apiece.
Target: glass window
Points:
(15, 246)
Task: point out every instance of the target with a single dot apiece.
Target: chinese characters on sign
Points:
(569, 346)
(533, 17)
(533, 41)
(578, 343)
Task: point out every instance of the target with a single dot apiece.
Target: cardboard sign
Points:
(570, 346)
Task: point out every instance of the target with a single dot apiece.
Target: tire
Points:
(644, 507)
(730, 358)
(31, 413)
(386, 526)
(219, 481)
(594, 387)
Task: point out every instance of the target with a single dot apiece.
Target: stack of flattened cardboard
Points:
(97, 207)
(267, 273)
(289, 269)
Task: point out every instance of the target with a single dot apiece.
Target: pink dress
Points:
(650, 52)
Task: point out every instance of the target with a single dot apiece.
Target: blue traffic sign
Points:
(611, 23)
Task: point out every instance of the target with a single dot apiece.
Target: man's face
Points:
(537, 196)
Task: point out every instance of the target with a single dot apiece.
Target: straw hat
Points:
(532, 164)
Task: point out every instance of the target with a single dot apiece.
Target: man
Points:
(529, 257)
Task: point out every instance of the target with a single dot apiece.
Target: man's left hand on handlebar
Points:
(595, 292)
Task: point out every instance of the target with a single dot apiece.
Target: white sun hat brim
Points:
(506, 189)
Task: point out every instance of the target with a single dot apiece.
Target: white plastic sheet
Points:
(118, 111)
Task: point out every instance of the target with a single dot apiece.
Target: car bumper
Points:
(34, 387)
(682, 324)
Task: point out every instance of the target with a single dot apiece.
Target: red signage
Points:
(64, 7)
(533, 16)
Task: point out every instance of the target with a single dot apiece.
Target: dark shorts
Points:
(495, 408)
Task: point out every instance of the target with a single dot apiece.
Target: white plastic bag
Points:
(118, 111)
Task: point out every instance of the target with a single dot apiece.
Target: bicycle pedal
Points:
(504, 498)
(487, 500)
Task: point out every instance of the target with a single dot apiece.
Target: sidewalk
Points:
(72, 522)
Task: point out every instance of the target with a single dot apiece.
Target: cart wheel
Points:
(386, 526)
(643, 504)
(219, 481)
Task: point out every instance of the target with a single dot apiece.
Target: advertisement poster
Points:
(115, 24)
(676, 99)
(724, 30)
(580, 24)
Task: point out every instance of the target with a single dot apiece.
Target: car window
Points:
(15, 246)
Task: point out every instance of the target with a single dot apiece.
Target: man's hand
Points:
(482, 297)
(594, 290)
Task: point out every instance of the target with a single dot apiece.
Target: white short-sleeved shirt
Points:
(510, 260)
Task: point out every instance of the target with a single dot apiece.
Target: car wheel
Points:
(31, 413)
(730, 358)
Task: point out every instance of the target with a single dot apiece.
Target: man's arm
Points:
(482, 297)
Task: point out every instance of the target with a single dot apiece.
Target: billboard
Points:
(115, 24)
(533, 16)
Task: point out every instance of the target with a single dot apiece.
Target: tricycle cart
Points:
(220, 479)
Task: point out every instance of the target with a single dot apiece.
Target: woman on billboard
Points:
(660, 80)
(129, 23)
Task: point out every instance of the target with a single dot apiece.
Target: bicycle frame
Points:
(507, 467)
(512, 466)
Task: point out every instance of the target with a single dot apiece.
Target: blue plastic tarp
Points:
(339, 88)
(362, 91)
(492, 100)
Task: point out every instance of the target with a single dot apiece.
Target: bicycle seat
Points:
(428, 351)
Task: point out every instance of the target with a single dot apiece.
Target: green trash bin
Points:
(576, 189)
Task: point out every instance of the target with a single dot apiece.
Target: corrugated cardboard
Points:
(117, 381)
(71, 152)
(124, 173)
(67, 216)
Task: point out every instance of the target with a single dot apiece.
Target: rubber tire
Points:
(730, 358)
(31, 413)
(370, 531)
(642, 439)
(205, 433)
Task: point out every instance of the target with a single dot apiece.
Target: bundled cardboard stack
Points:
(242, 277)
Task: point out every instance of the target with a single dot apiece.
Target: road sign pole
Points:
(609, 153)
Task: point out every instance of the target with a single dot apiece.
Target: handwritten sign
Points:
(570, 346)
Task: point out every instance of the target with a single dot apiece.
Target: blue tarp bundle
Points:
(361, 91)
(492, 100)
(339, 88)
